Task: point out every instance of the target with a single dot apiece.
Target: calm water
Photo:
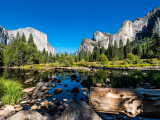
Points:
(65, 76)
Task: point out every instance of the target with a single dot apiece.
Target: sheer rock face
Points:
(87, 45)
(3, 35)
(128, 30)
(39, 38)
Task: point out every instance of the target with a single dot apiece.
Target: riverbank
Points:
(89, 68)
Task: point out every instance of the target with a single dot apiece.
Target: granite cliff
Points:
(40, 39)
(128, 30)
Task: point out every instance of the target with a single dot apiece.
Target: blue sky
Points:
(67, 22)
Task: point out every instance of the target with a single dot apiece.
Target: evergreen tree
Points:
(109, 51)
(57, 57)
(97, 54)
(23, 38)
(139, 51)
(17, 37)
(102, 51)
(121, 50)
(128, 47)
(116, 51)
(155, 44)
(32, 51)
(22, 52)
(91, 58)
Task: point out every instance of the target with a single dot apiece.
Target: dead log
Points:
(131, 102)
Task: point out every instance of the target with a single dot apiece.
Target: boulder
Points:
(79, 110)
(45, 95)
(19, 108)
(26, 115)
(73, 77)
(29, 90)
(58, 91)
(2, 118)
(58, 103)
(48, 84)
(46, 116)
(75, 91)
(23, 102)
(7, 111)
(84, 89)
(43, 88)
(45, 104)
(60, 108)
(53, 85)
(53, 107)
(28, 81)
(54, 99)
(65, 100)
(98, 85)
(40, 84)
(34, 107)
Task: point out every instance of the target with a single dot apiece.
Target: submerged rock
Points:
(54, 99)
(58, 91)
(53, 85)
(75, 91)
(79, 110)
(26, 115)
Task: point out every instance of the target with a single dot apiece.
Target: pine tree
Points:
(32, 50)
(128, 47)
(139, 51)
(91, 58)
(116, 51)
(102, 50)
(109, 51)
(155, 44)
(17, 37)
(121, 50)
(22, 52)
(97, 53)
(23, 38)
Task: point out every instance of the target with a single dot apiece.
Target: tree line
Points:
(22, 52)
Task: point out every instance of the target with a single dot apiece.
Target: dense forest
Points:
(22, 52)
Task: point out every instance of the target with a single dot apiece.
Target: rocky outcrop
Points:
(79, 110)
(40, 39)
(128, 30)
(26, 115)
(3, 35)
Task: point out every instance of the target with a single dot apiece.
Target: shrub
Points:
(11, 91)
(103, 59)
(132, 59)
(154, 78)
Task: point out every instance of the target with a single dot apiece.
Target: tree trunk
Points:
(132, 102)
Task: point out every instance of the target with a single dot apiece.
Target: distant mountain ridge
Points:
(128, 30)
(40, 39)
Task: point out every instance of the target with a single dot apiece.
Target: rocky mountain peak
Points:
(128, 30)
(40, 39)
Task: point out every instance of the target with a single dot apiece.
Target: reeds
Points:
(10, 91)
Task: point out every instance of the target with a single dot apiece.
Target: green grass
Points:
(10, 91)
